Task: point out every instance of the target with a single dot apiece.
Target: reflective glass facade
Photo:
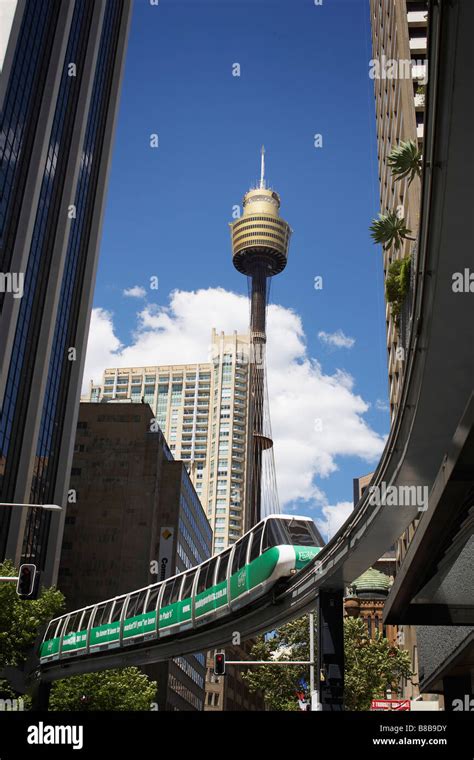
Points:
(19, 113)
(69, 172)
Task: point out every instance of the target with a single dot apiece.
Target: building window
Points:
(369, 626)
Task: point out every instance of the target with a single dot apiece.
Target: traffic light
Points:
(219, 664)
(25, 587)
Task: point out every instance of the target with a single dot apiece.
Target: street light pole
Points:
(49, 507)
(311, 657)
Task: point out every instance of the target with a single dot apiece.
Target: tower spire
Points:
(262, 168)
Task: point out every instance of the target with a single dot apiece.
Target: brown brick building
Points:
(136, 518)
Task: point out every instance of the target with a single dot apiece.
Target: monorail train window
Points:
(240, 554)
(153, 598)
(255, 548)
(85, 620)
(102, 614)
(303, 533)
(206, 576)
(223, 564)
(171, 593)
(118, 609)
(73, 622)
(188, 584)
(136, 602)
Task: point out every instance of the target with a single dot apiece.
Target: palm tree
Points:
(404, 160)
(390, 229)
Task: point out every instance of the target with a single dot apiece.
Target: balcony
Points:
(418, 45)
(417, 18)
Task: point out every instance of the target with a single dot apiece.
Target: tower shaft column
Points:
(258, 305)
(258, 302)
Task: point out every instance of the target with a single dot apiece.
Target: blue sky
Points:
(304, 70)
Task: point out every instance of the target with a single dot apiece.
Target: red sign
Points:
(390, 704)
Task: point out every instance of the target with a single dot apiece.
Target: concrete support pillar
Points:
(331, 650)
(40, 696)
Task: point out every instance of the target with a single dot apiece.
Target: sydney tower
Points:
(260, 240)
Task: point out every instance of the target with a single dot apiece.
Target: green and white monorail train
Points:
(274, 549)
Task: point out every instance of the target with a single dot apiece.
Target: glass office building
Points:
(59, 91)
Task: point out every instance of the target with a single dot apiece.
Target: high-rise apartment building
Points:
(203, 411)
(399, 71)
(59, 92)
(136, 519)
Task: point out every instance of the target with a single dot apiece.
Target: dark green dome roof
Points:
(372, 581)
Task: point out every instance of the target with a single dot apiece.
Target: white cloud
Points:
(316, 417)
(381, 405)
(336, 339)
(102, 347)
(333, 517)
(7, 12)
(136, 292)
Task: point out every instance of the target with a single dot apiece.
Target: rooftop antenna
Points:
(262, 168)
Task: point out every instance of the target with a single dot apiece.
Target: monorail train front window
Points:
(292, 532)
(303, 533)
(52, 631)
(275, 534)
(61, 627)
